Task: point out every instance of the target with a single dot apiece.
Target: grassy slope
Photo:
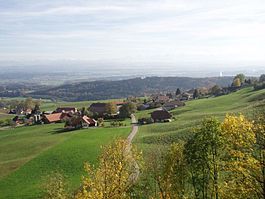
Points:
(50, 151)
(189, 116)
(19, 145)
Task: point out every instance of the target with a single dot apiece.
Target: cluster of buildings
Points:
(163, 104)
(74, 117)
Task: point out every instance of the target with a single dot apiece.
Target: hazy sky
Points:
(199, 32)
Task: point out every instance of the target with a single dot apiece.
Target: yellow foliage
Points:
(55, 187)
(117, 172)
(238, 163)
(237, 82)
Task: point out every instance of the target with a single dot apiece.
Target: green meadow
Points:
(27, 154)
(187, 117)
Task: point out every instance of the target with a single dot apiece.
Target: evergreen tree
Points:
(178, 92)
(196, 94)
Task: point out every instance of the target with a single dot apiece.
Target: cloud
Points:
(158, 30)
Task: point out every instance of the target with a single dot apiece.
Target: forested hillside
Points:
(97, 90)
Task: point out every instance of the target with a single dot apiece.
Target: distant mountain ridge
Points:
(99, 90)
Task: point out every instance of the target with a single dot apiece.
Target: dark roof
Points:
(160, 115)
(99, 108)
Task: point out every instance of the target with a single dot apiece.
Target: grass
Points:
(29, 153)
(189, 116)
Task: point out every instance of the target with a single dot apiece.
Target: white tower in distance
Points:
(221, 74)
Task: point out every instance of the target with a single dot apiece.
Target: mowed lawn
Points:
(27, 154)
(186, 118)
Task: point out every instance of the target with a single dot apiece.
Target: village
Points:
(95, 114)
(28, 112)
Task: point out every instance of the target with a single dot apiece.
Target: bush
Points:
(259, 86)
(143, 121)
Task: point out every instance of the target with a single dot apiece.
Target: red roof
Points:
(55, 117)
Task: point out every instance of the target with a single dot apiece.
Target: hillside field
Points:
(187, 117)
(27, 154)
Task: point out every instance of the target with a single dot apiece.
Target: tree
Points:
(36, 109)
(111, 108)
(115, 175)
(216, 90)
(84, 111)
(172, 181)
(28, 104)
(74, 122)
(238, 161)
(178, 92)
(127, 109)
(196, 94)
(259, 154)
(262, 78)
(203, 152)
(100, 121)
(55, 187)
(236, 82)
(241, 77)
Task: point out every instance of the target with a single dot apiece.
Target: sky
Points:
(175, 33)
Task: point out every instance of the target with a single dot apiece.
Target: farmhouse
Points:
(172, 104)
(52, 118)
(186, 96)
(160, 115)
(98, 108)
(77, 122)
(87, 121)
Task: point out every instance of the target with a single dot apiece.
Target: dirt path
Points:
(134, 176)
(134, 129)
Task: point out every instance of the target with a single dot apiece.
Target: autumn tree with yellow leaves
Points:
(168, 171)
(55, 187)
(238, 161)
(117, 172)
(259, 173)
